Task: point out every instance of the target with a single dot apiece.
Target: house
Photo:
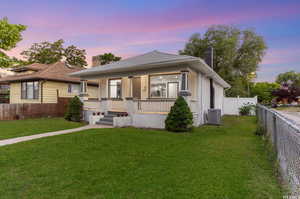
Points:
(44, 83)
(146, 86)
(4, 87)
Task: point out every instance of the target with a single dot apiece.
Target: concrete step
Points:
(108, 119)
(115, 113)
(104, 123)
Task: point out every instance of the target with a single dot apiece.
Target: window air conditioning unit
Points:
(214, 116)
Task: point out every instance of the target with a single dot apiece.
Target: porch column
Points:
(130, 87)
(129, 100)
(184, 90)
(83, 90)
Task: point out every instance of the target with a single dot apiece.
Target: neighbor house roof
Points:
(56, 72)
(151, 60)
(33, 67)
(5, 72)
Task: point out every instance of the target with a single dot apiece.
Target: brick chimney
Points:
(96, 61)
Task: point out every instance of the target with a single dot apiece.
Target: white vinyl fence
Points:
(285, 137)
(231, 105)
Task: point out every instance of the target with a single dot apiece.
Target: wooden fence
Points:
(23, 111)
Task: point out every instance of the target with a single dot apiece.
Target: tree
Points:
(75, 56)
(49, 53)
(287, 93)
(180, 117)
(10, 35)
(107, 58)
(290, 77)
(263, 91)
(237, 53)
(45, 52)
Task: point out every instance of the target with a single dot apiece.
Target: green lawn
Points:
(17, 128)
(227, 162)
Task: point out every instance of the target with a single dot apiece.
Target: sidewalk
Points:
(37, 136)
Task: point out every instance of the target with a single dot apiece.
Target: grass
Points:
(18, 128)
(226, 162)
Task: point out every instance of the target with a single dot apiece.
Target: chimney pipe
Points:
(96, 61)
(209, 57)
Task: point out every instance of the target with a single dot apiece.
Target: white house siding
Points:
(204, 97)
(219, 97)
(193, 84)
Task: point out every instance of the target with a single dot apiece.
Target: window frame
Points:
(35, 90)
(71, 91)
(167, 74)
(109, 86)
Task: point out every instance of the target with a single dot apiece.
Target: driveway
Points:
(293, 116)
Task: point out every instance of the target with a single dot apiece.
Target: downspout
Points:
(201, 81)
(42, 83)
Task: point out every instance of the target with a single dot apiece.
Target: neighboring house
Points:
(4, 87)
(42, 83)
(146, 86)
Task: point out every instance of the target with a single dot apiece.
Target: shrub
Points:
(259, 130)
(74, 111)
(246, 109)
(180, 117)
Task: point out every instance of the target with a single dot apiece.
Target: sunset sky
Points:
(131, 27)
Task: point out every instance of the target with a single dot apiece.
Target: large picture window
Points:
(164, 86)
(115, 88)
(30, 90)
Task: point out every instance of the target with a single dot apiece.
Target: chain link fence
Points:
(285, 137)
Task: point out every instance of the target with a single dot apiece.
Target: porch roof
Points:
(152, 61)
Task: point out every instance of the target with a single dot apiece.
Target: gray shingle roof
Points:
(153, 57)
(148, 61)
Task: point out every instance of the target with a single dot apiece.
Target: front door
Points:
(172, 89)
(136, 87)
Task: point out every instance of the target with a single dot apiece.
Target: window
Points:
(184, 81)
(164, 86)
(30, 90)
(115, 88)
(73, 88)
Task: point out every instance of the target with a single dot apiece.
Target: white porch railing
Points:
(117, 105)
(154, 105)
(138, 106)
(91, 105)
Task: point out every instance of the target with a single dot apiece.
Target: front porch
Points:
(147, 98)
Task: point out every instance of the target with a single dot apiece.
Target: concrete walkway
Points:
(37, 136)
